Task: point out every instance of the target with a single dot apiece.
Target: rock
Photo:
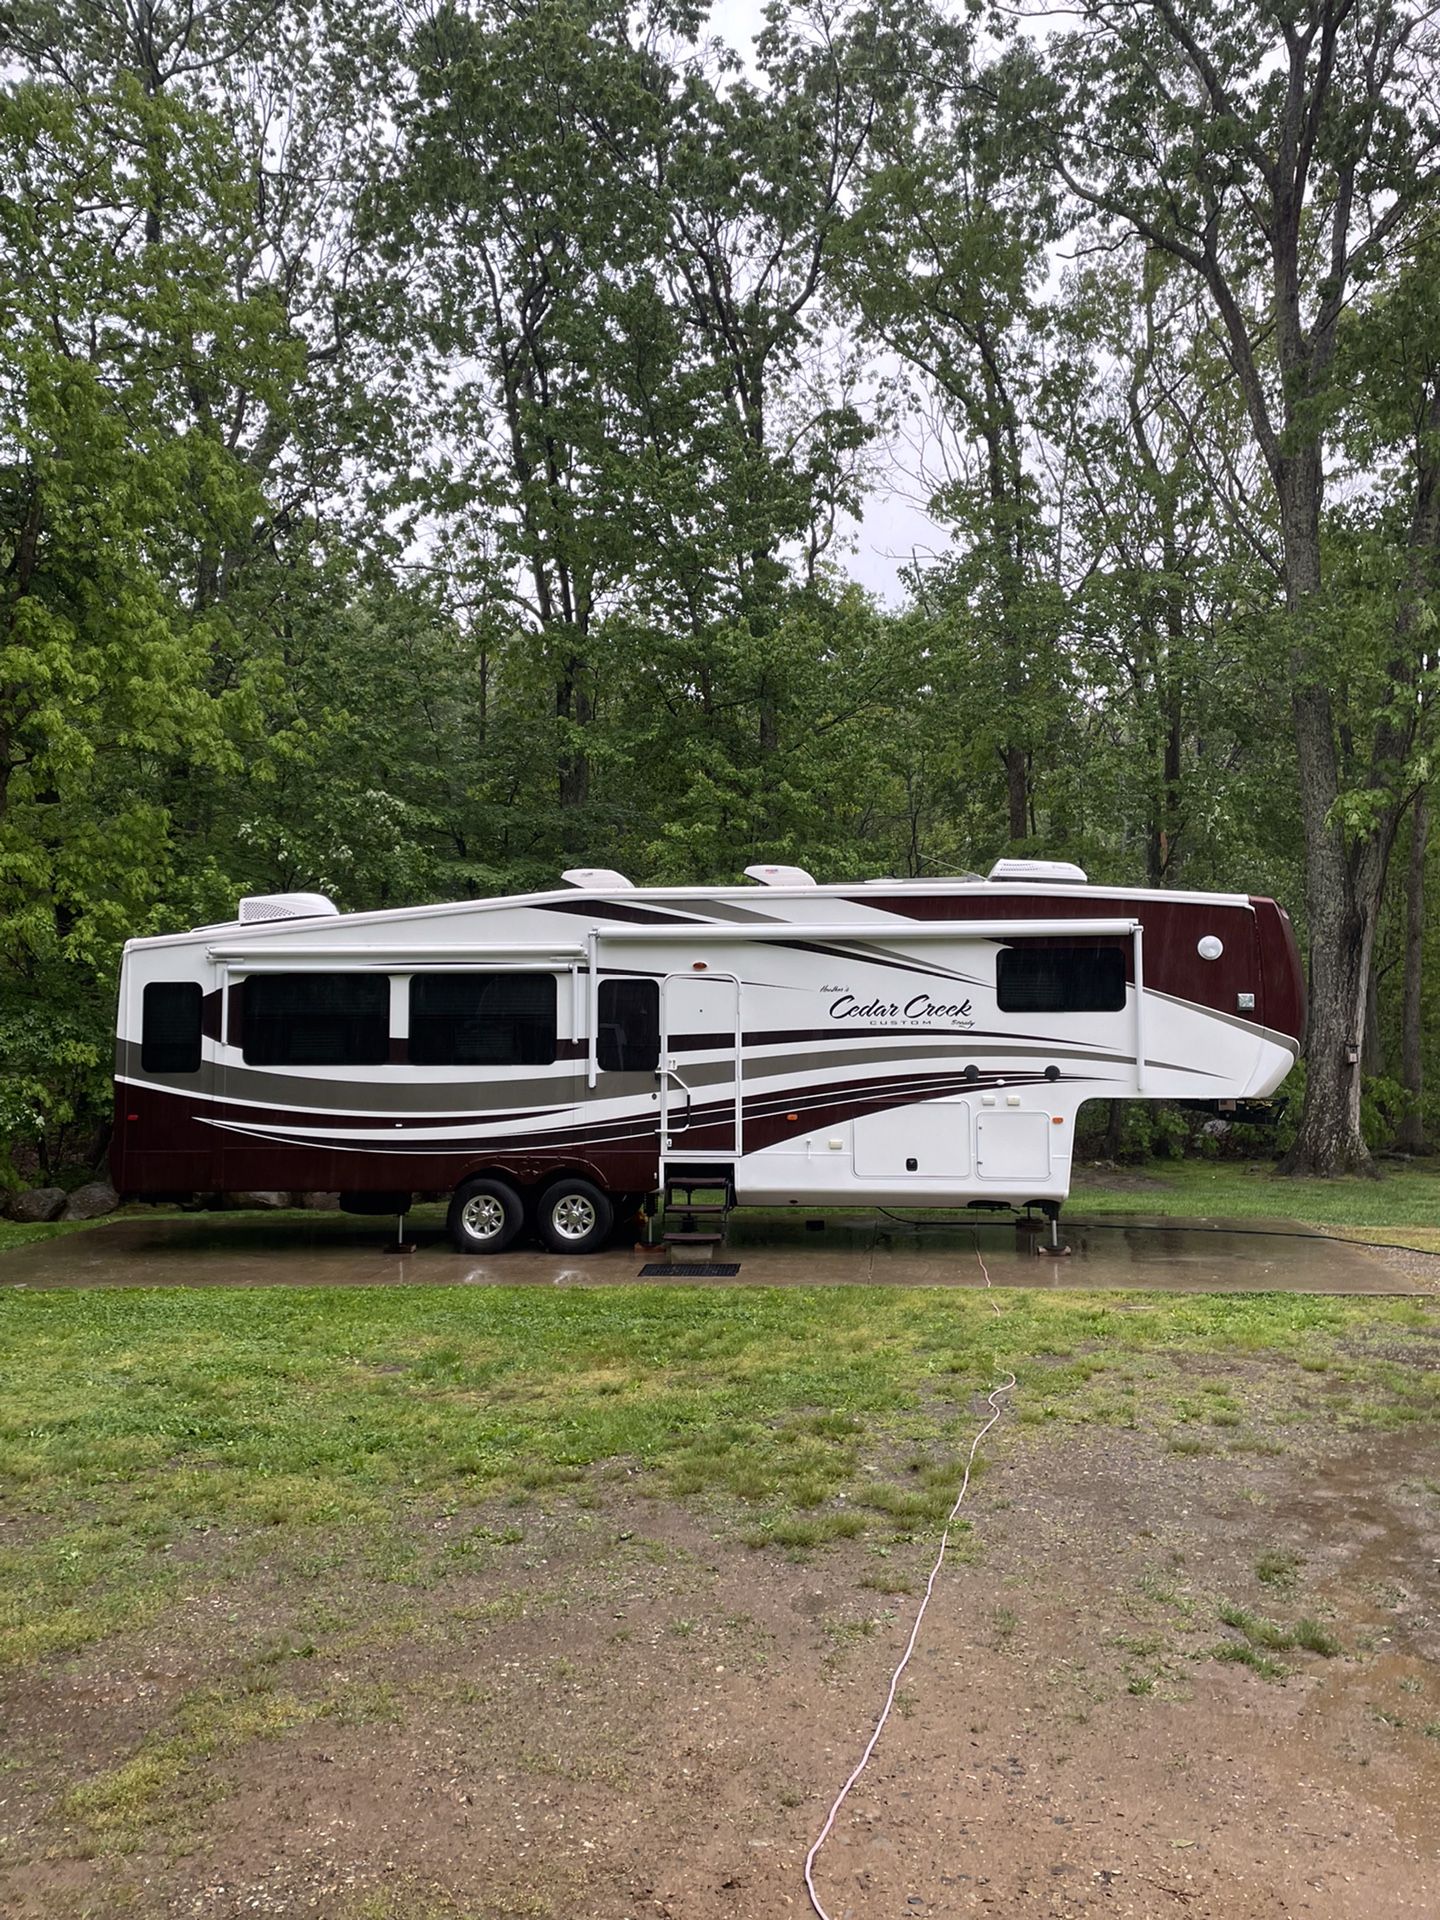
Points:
(263, 1201)
(38, 1203)
(91, 1202)
(316, 1202)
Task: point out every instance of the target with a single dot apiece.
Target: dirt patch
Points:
(619, 1711)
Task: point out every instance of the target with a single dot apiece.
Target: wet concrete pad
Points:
(862, 1249)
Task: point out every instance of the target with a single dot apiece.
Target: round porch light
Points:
(1210, 946)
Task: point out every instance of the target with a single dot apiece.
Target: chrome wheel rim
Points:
(573, 1216)
(483, 1216)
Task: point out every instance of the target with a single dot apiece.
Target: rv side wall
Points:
(827, 1047)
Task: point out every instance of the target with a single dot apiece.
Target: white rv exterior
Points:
(927, 1043)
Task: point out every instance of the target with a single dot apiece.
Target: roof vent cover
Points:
(1055, 873)
(285, 906)
(597, 879)
(780, 876)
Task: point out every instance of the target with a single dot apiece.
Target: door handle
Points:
(669, 1073)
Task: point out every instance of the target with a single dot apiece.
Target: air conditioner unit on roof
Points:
(597, 879)
(285, 906)
(1047, 872)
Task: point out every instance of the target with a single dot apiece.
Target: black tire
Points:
(573, 1216)
(485, 1216)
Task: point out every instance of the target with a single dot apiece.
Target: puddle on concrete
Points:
(866, 1249)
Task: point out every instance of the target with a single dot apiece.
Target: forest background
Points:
(432, 437)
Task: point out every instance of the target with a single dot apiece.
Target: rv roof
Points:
(742, 895)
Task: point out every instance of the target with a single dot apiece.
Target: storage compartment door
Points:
(929, 1142)
(1012, 1146)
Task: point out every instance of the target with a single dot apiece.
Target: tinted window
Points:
(629, 1038)
(316, 1019)
(482, 1019)
(170, 1027)
(1060, 980)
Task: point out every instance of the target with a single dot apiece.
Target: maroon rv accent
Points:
(836, 951)
(184, 1151)
(1284, 977)
(1173, 929)
(590, 908)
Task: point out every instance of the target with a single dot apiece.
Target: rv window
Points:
(316, 1019)
(170, 1027)
(1060, 980)
(629, 1039)
(482, 1019)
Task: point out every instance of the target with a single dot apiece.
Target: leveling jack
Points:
(400, 1244)
(1050, 1243)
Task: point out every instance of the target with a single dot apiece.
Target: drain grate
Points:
(690, 1270)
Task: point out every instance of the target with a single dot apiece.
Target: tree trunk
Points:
(769, 732)
(1173, 708)
(1411, 1136)
(1372, 1051)
(572, 704)
(1342, 889)
(1017, 792)
(1342, 885)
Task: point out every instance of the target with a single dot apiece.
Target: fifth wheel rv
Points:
(548, 1059)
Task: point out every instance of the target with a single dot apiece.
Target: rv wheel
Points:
(485, 1216)
(574, 1217)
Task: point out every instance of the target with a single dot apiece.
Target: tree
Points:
(98, 667)
(1165, 576)
(947, 259)
(1412, 1136)
(168, 270)
(1284, 154)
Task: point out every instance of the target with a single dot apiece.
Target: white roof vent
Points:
(285, 906)
(780, 876)
(1054, 873)
(597, 879)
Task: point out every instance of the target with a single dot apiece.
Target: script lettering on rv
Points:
(919, 1010)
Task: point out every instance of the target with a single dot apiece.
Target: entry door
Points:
(700, 1087)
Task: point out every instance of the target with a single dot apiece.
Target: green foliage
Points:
(427, 441)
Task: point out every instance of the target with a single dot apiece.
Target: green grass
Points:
(1279, 1568)
(16, 1233)
(1398, 1196)
(1240, 1653)
(1271, 1635)
(168, 1782)
(330, 1428)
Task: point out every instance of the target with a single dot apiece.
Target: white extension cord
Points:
(1007, 1386)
